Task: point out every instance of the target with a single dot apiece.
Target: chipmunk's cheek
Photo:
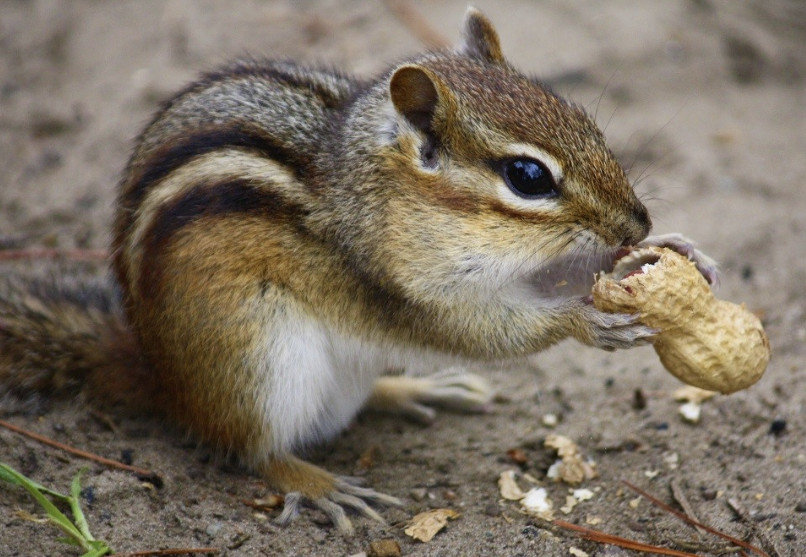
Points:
(569, 275)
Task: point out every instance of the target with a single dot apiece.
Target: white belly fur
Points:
(314, 380)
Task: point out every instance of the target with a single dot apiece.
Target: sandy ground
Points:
(703, 100)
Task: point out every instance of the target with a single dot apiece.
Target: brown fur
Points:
(372, 209)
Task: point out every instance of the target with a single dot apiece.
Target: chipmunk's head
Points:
(497, 179)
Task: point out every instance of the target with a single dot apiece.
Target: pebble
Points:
(88, 494)
(384, 548)
(708, 494)
(214, 528)
(494, 510)
(690, 412)
(530, 532)
(639, 401)
(778, 426)
(418, 493)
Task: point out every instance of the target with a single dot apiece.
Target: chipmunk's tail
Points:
(63, 336)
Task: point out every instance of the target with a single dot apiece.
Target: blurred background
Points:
(702, 100)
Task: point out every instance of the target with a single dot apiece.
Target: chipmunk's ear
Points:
(480, 38)
(415, 95)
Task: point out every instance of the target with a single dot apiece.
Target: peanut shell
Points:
(705, 342)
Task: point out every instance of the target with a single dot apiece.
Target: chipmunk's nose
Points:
(639, 227)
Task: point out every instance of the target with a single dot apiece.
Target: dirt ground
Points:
(703, 100)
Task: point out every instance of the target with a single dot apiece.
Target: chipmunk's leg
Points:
(308, 398)
(453, 388)
(302, 481)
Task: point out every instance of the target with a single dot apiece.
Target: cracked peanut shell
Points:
(705, 342)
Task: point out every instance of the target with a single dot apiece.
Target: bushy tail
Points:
(61, 336)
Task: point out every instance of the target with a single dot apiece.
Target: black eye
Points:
(529, 178)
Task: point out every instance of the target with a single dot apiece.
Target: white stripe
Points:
(207, 169)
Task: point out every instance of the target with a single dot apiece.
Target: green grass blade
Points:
(75, 506)
(6, 476)
(98, 548)
(54, 515)
(78, 533)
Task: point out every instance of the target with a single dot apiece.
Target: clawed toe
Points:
(346, 495)
(307, 484)
(414, 397)
(367, 493)
(336, 513)
(457, 389)
(682, 245)
(610, 331)
(290, 509)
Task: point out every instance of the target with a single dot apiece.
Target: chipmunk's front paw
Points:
(453, 388)
(305, 483)
(611, 330)
(684, 246)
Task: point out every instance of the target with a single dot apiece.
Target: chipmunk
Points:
(285, 236)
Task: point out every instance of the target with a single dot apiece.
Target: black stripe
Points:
(330, 97)
(165, 160)
(230, 197)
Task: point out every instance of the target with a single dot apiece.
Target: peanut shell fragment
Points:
(705, 342)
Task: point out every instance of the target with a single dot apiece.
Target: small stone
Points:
(418, 493)
(638, 400)
(778, 426)
(550, 420)
(530, 532)
(492, 510)
(537, 502)
(88, 494)
(690, 412)
(214, 528)
(384, 548)
(800, 507)
(708, 494)
(517, 456)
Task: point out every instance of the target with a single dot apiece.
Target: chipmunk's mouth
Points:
(633, 262)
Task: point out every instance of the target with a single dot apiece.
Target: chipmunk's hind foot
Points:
(304, 483)
(453, 389)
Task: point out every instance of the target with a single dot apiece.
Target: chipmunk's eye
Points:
(529, 178)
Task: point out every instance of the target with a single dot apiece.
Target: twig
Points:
(172, 551)
(105, 420)
(680, 497)
(48, 253)
(741, 512)
(684, 518)
(626, 543)
(416, 23)
(142, 473)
